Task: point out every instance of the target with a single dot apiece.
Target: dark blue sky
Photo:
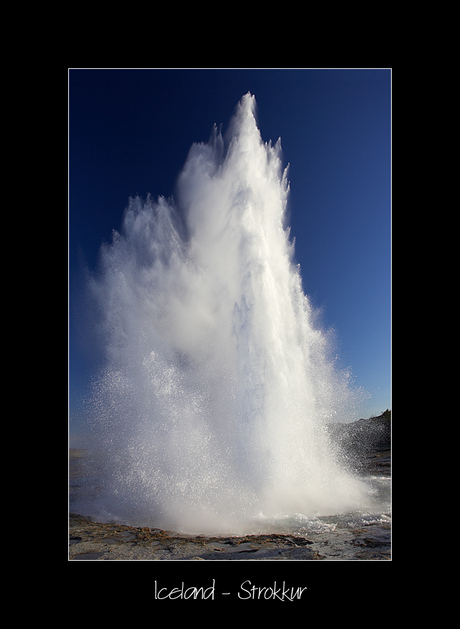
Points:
(130, 132)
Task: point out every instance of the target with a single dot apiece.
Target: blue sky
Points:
(130, 132)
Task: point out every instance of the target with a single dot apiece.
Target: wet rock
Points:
(101, 542)
(87, 556)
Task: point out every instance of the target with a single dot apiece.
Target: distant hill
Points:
(363, 436)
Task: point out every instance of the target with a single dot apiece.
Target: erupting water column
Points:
(209, 415)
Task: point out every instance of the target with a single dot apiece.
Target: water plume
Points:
(210, 412)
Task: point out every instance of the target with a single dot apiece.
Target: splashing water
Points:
(211, 409)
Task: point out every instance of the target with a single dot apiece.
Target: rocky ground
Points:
(95, 540)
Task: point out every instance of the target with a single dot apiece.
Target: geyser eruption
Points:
(210, 411)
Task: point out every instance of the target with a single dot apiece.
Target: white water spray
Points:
(211, 409)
